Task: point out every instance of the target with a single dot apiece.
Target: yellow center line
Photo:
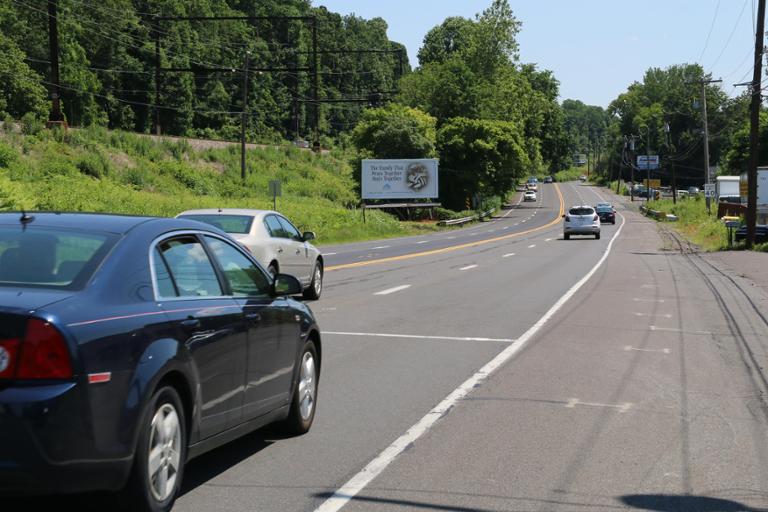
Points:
(454, 247)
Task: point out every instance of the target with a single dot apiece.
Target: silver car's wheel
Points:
(164, 457)
(316, 285)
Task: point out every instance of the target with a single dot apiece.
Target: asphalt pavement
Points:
(506, 369)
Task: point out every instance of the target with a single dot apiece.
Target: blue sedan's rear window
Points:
(604, 209)
(50, 258)
(238, 224)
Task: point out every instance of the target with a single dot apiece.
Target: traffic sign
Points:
(647, 162)
(709, 190)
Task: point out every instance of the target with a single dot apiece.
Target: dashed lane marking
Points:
(630, 348)
(673, 329)
(508, 255)
(468, 267)
(573, 402)
(393, 290)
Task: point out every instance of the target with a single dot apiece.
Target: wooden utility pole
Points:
(55, 118)
(754, 125)
(244, 116)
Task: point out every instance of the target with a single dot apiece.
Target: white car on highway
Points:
(529, 195)
(275, 243)
(581, 220)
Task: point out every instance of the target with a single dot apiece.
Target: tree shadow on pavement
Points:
(685, 503)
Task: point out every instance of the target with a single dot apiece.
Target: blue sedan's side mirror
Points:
(286, 285)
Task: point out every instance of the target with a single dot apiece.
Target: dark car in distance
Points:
(606, 213)
(761, 233)
(129, 345)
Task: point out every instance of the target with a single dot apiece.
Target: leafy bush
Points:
(94, 164)
(31, 124)
(8, 155)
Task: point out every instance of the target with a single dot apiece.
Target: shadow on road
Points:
(685, 503)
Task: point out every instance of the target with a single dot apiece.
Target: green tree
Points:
(20, 88)
(479, 157)
(395, 131)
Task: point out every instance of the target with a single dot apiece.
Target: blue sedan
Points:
(129, 345)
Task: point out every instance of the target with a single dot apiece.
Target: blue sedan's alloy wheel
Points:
(160, 454)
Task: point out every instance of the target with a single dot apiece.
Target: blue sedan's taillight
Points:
(44, 353)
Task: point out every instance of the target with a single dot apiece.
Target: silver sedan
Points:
(273, 240)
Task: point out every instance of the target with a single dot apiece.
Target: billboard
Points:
(647, 162)
(399, 179)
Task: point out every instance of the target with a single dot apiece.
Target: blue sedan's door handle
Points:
(254, 318)
(191, 323)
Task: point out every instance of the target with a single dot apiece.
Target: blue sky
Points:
(596, 48)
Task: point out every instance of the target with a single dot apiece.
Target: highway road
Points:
(501, 368)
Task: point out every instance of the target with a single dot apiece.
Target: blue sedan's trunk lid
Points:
(25, 300)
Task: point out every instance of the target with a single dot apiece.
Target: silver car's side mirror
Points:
(309, 235)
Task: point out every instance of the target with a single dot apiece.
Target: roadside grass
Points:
(98, 170)
(571, 174)
(701, 228)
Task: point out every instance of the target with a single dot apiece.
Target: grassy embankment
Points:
(698, 226)
(96, 170)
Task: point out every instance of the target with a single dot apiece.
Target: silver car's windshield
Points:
(238, 224)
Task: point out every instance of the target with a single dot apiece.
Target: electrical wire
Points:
(706, 43)
(730, 37)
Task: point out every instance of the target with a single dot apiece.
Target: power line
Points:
(706, 43)
(735, 26)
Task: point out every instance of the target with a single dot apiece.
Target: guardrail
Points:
(464, 220)
(656, 214)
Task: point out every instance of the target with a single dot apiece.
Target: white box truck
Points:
(762, 187)
(727, 189)
(762, 193)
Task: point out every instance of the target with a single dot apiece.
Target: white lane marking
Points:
(524, 220)
(382, 247)
(490, 231)
(573, 402)
(423, 242)
(549, 239)
(649, 286)
(393, 290)
(417, 336)
(450, 237)
(329, 253)
(672, 329)
(468, 267)
(328, 309)
(508, 255)
(665, 315)
(629, 348)
(358, 482)
(505, 227)
(637, 299)
(532, 246)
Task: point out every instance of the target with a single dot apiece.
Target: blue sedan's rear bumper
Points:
(47, 444)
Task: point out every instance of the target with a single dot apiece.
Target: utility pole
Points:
(156, 31)
(55, 118)
(704, 82)
(671, 163)
(631, 167)
(244, 116)
(315, 86)
(754, 126)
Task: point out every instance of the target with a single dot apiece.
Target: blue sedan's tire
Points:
(304, 398)
(161, 451)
